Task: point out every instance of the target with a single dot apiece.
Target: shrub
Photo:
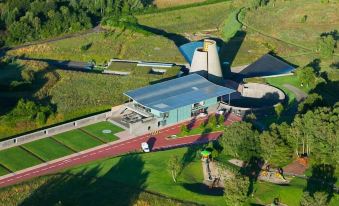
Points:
(326, 46)
(27, 75)
(85, 47)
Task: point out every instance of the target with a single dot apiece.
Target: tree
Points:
(279, 108)
(312, 101)
(174, 166)
(212, 121)
(184, 129)
(236, 190)
(221, 119)
(326, 46)
(307, 76)
(240, 140)
(318, 199)
(27, 75)
(275, 148)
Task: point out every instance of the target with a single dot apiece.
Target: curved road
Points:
(114, 149)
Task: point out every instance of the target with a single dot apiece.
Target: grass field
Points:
(77, 140)
(47, 149)
(97, 130)
(16, 159)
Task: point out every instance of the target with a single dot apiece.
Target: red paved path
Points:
(159, 140)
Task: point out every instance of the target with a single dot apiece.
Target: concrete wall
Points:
(53, 130)
(139, 128)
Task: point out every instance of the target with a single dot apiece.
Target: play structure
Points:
(274, 176)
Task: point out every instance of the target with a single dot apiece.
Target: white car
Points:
(144, 147)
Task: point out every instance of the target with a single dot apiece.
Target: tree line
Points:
(27, 20)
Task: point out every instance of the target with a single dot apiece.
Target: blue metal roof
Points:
(177, 93)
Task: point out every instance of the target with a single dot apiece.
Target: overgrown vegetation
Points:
(27, 20)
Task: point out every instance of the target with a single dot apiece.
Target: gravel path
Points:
(300, 95)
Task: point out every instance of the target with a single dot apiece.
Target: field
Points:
(17, 159)
(171, 3)
(97, 130)
(288, 16)
(194, 19)
(48, 149)
(105, 46)
(77, 140)
(107, 181)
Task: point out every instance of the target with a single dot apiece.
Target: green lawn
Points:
(290, 195)
(96, 130)
(116, 180)
(77, 140)
(17, 159)
(47, 149)
(3, 171)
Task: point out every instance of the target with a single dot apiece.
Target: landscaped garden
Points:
(103, 130)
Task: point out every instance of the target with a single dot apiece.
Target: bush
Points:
(27, 75)
(326, 46)
(85, 47)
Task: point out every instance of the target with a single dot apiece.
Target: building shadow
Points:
(228, 52)
(176, 38)
(120, 185)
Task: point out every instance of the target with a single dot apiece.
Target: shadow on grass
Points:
(252, 169)
(121, 185)
(203, 189)
(323, 179)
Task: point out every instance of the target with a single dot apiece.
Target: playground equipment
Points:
(276, 176)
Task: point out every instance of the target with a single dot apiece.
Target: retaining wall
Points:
(53, 130)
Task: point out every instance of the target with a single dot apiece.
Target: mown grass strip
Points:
(31, 153)
(16, 158)
(77, 140)
(48, 149)
(89, 134)
(4, 170)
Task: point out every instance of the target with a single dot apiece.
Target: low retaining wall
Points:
(53, 130)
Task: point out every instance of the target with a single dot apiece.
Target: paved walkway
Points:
(119, 147)
(300, 95)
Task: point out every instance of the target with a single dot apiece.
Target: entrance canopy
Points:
(178, 92)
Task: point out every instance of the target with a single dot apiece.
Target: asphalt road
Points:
(159, 142)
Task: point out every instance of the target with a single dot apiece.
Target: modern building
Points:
(170, 102)
(204, 59)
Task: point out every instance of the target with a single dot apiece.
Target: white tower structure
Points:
(206, 62)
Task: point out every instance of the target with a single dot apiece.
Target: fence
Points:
(53, 130)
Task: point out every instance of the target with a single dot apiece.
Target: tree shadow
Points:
(13, 87)
(328, 90)
(121, 185)
(323, 179)
(252, 169)
(203, 189)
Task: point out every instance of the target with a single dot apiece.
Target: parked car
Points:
(145, 147)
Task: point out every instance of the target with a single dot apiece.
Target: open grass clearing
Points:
(77, 140)
(97, 130)
(16, 158)
(47, 149)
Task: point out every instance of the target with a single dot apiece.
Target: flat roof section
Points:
(172, 94)
(267, 65)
